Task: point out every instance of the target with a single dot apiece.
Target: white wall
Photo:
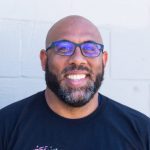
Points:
(125, 26)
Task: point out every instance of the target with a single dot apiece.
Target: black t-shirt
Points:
(31, 125)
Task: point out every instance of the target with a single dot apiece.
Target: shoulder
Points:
(131, 124)
(14, 110)
(116, 106)
(126, 114)
(13, 115)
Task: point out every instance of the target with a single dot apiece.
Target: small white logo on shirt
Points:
(45, 148)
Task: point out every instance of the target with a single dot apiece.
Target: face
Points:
(74, 79)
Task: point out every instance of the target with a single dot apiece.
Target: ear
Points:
(105, 57)
(43, 58)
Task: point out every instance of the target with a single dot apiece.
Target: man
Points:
(70, 114)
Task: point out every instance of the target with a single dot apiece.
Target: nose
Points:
(77, 58)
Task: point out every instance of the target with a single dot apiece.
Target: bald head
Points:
(73, 27)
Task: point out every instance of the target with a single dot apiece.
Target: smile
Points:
(76, 76)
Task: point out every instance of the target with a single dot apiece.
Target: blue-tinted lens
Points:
(90, 49)
(64, 48)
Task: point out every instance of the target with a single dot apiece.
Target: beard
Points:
(74, 97)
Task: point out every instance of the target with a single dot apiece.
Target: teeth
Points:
(76, 77)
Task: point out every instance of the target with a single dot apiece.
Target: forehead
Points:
(74, 29)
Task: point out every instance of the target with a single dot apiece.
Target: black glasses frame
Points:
(53, 44)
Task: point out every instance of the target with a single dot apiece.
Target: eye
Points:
(64, 48)
(89, 47)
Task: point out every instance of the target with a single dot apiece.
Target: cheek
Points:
(56, 64)
(97, 65)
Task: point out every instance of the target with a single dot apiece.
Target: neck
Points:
(67, 111)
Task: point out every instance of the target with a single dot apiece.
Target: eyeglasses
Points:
(67, 48)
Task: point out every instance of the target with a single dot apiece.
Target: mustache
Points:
(75, 67)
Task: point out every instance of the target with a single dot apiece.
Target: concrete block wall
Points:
(125, 27)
